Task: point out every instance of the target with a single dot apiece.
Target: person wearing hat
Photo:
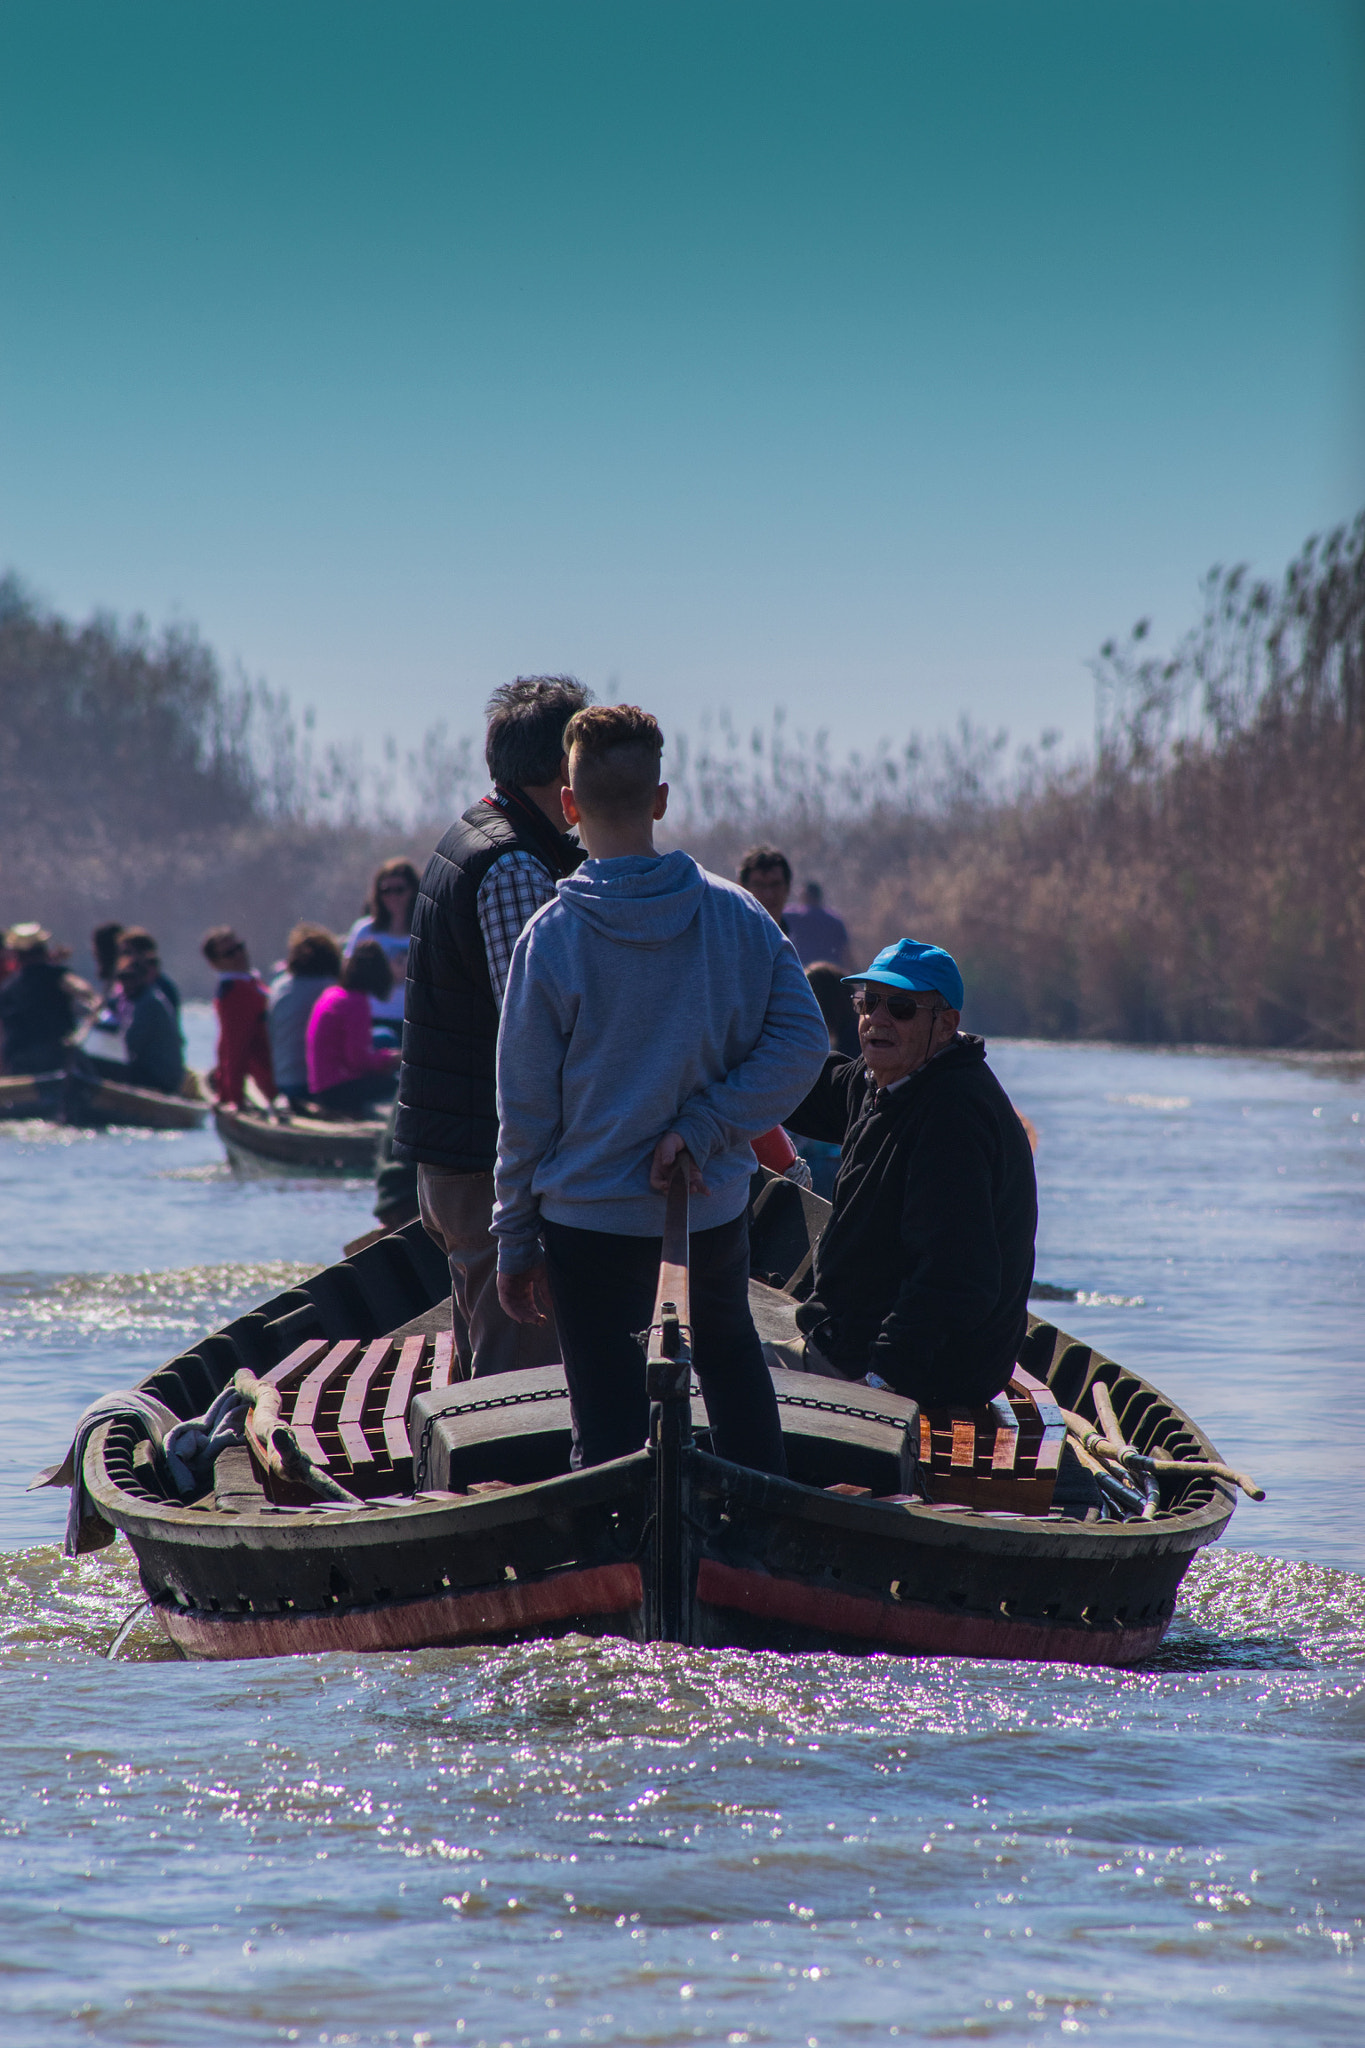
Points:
(40, 1004)
(922, 1274)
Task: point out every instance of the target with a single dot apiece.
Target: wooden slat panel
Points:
(400, 1393)
(442, 1358)
(926, 1438)
(289, 1368)
(353, 1440)
(310, 1393)
(1006, 1435)
(1049, 1414)
(1050, 1449)
(964, 1441)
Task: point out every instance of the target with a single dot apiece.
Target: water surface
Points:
(572, 1842)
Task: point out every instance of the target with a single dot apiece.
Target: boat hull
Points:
(502, 1542)
(257, 1144)
(94, 1104)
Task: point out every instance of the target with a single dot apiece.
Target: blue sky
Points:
(875, 360)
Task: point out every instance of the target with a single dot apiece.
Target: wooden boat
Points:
(379, 1502)
(258, 1141)
(84, 1100)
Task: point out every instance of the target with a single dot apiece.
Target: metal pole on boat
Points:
(668, 1382)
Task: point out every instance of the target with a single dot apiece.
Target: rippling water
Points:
(591, 1842)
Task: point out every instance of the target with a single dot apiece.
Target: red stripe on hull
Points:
(919, 1631)
(411, 1624)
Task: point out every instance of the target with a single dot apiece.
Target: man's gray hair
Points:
(526, 721)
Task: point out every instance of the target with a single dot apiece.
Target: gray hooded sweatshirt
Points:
(647, 997)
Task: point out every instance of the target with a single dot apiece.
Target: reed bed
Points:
(1200, 877)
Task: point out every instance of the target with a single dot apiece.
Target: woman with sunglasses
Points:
(922, 1273)
(388, 919)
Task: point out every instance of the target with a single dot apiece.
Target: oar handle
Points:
(668, 1371)
(1101, 1446)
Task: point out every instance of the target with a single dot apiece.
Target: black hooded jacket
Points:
(923, 1271)
(447, 1096)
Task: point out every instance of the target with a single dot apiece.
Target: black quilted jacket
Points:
(447, 1102)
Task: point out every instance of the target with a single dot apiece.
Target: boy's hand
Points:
(668, 1153)
(525, 1297)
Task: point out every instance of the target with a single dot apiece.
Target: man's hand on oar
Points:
(670, 1153)
(525, 1297)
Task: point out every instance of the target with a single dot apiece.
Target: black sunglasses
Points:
(902, 1008)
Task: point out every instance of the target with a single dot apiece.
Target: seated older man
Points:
(922, 1274)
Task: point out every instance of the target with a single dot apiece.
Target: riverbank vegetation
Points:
(1199, 877)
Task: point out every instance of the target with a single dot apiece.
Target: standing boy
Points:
(653, 1015)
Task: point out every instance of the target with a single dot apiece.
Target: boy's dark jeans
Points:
(603, 1288)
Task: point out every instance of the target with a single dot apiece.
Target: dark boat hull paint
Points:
(790, 1614)
(546, 1607)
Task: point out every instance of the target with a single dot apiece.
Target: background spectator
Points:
(312, 964)
(836, 1007)
(817, 933)
(388, 919)
(149, 1029)
(241, 1001)
(767, 875)
(135, 938)
(40, 1004)
(347, 1072)
(104, 945)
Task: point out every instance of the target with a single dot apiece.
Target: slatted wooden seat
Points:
(1004, 1455)
(303, 1415)
(348, 1402)
(350, 1429)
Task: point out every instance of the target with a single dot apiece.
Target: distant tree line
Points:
(1200, 878)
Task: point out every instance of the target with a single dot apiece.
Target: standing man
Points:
(654, 1015)
(491, 872)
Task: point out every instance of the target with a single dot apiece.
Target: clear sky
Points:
(873, 359)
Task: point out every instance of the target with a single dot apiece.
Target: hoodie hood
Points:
(637, 901)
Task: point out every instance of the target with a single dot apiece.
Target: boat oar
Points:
(1109, 1423)
(668, 1382)
(1121, 1454)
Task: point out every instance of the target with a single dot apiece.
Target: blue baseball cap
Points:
(909, 963)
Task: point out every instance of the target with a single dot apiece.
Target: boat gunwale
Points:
(937, 1526)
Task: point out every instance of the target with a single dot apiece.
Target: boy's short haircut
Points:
(755, 858)
(524, 743)
(616, 750)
